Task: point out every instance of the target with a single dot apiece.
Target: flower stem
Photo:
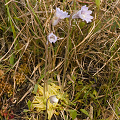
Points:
(45, 78)
(46, 109)
(66, 55)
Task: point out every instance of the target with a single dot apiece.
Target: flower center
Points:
(83, 16)
(83, 13)
(52, 37)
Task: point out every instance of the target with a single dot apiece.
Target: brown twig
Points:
(86, 2)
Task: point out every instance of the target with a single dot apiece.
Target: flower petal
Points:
(60, 14)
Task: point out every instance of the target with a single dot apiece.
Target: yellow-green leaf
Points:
(97, 3)
(84, 111)
(29, 104)
(12, 59)
(35, 88)
(73, 114)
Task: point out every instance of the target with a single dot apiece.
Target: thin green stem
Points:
(66, 56)
(45, 78)
(14, 33)
(46, 109)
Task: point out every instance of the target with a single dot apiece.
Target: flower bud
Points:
(53, 99)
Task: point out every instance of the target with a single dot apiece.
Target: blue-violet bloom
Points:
(84, 14)
(52, 38)
(59, 14)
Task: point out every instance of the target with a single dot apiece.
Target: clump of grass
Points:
(88, 72)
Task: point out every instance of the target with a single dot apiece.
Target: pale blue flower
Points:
(52, 38)
(84, 14)
(59, 14)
